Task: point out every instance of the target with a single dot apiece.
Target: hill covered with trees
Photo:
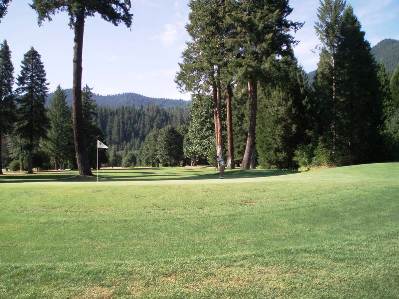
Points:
(128, 100)
(387, 53)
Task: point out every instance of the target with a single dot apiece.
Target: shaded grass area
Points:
(328, 233)
(140, 174)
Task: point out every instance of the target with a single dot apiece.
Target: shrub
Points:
(129, 160)
(303, 156)
(14, 165)
(322, 155)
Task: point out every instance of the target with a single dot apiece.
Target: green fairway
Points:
(185, 233)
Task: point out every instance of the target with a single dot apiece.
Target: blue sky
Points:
(145, 58)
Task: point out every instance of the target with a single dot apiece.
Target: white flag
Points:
(101, 145)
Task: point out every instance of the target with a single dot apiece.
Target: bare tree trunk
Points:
(1, 151)
(334, 98)
(77, 117)
(29, 167)
(217, 119)
(219, 151)
(253, 107)
(230, 138)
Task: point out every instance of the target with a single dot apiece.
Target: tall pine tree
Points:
(114, 11)
(327, 27)
(7, 105)
(206, 58)
(254, 44)
(199, 142)
(59, 143)
(90, 126)
(391, 113)
(281, 123)
(32, 90)
(358, 109)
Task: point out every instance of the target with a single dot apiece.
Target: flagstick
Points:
(97, 162)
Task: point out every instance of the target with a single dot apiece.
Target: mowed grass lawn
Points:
(184, 233)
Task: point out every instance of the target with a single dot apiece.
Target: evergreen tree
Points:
(205, 59)
(255, 45)
(114, 157)
(32, 90)
(90, 126)
(327, 28)
(391, 113)
(17, 150)
(149, 150)
(358, 110)
(170, 147)
(7, 105)
(395, 89)
(282, 121)
(114, 11)
(59, 143)
(3, 7)
(129, 159)
(199, 142)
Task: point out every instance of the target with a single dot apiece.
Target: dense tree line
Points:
(252, 103)
(242, 51)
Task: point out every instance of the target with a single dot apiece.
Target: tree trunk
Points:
(217, 119)
(219, 151)
(253, 107)
(230, 138)
(29, 167)
(1, 151)
(334, 98)
(77, 117)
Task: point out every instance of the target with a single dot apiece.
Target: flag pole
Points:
(97, 161)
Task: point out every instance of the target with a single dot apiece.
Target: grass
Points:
(184, 233)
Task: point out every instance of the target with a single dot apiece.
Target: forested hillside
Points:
(127, 127)
(128, 100)
(387, 53)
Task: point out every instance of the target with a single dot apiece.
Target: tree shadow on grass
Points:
(143, 174)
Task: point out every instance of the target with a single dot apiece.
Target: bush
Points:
(14, 165)
(322, 155)
(129, 160)
(303, 156)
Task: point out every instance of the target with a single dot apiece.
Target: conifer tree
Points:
(329, 15)
(90, 126)
(395, 88)
(170, 147)
(114, 11)
(59, 143)
(32, 90)
(199, 142)
(282, 119)
(391, 114)
(7, 105)
(255, 44)
(3, 7)
(149, 149)
(205, 59)
(359, 111)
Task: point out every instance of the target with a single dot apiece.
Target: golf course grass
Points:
(181, 233)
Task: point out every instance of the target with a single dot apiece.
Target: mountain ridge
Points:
(385, 52)
(128, 99)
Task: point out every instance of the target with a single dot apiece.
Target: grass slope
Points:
(327, 233)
